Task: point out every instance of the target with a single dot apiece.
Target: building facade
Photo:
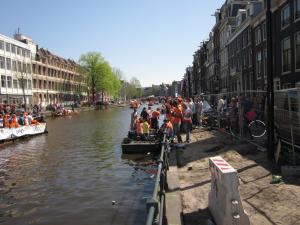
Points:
(15, 71)
(234, 58)
(54, 80)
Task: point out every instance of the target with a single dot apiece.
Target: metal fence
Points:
(156, 204)
(242, 114)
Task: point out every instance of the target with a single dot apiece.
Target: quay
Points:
(188, 182)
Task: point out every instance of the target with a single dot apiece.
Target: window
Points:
(19, 66)
(28, 68)
(9, 82)
(285, 16)
(277, 84)
(3, 81)
(15, 83)
(13, 48)
(249, 36)
(297, 9)
(24, 83)
(23, 52)
(250, 57)
(257, 36)
(264, 31)
(265, 63)
(24, 68)
(18, 50)
(28, 54)
(34, 83)
(7, 48)
(14, 65)
(286, 55)
(2, 62)
(8, 63)
(258, 65)
(297, 51)
(2, 45)
(29, 84)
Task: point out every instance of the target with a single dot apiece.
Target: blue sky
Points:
(153, 40)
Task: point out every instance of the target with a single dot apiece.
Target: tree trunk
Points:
(102, 96)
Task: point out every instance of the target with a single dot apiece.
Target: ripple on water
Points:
(72, 175)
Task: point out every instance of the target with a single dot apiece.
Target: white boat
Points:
(22, 131)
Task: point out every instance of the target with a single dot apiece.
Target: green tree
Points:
(90, 62)
(101, 77)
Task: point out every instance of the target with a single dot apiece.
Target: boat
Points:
(66, 112)
(139, 147)
(7, 134)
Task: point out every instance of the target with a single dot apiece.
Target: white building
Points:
(15, 70)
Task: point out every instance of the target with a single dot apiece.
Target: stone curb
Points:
(173, 196)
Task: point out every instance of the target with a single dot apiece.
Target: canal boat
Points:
(139, 147)
(8, 134)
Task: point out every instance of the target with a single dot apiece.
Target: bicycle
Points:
(257, 128)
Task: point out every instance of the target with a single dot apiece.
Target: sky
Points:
(153, 40)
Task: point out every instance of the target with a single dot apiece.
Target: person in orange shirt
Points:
(168, 110)
(154, 119)
(176, 121)
(139, 127)
(168, 128)
(14, 122)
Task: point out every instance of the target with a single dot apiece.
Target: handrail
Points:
(156, 204)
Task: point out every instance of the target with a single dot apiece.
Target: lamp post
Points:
(270, 86)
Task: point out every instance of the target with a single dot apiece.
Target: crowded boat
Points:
(176, 115)
(16, 123)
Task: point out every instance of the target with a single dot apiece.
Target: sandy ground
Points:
(265, 203)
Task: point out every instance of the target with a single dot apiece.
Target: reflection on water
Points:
(72, 175)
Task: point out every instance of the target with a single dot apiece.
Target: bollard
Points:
(224, 198)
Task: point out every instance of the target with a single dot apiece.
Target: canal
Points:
(73, 174)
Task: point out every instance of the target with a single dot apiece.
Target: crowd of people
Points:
(13, 116)
(178, 115)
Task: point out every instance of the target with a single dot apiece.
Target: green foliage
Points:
(101, 77)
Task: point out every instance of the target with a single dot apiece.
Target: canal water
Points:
(73, 174)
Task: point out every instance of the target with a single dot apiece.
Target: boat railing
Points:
(156, 204)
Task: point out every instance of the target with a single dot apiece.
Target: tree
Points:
(101, 77)
(91, 61)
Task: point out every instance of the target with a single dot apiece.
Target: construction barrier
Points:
(224, 198)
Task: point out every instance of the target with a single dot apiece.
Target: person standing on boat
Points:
(139, 128)
(146, 128)
(133, 117)
(144, 113)
(154, 119)
(176, 121)
(167, 128)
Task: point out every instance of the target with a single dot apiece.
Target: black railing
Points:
(156, 204)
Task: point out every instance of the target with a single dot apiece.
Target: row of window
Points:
(56, 86)
(42, 70)
(14, 49)
(240, 42)
(17, 66)
(7, 81)
(286, 16)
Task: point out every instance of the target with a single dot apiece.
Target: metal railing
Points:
(156, 204)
